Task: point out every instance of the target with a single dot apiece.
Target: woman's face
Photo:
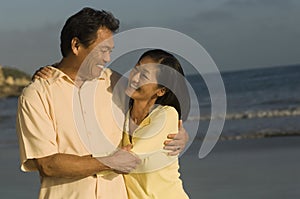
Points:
(142, 84)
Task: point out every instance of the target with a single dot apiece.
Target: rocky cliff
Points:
(12, 81)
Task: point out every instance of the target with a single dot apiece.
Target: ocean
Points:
(260, 102)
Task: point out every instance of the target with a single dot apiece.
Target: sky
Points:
(237, 34)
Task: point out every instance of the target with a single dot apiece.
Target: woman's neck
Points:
(140, 110)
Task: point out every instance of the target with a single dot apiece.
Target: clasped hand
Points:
(122, 160)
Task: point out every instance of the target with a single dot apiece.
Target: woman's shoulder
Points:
(166, 111)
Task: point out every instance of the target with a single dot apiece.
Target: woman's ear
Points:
(161, 91)
(75, 45)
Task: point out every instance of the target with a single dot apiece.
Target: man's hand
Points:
(178, 141)
(43, 72)
(122, 160)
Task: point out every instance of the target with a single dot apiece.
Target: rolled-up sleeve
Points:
(35, 129)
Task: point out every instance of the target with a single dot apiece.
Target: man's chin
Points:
(100, 66)
(96, 71)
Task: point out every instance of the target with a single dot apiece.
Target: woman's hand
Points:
(122, 160)
(43, 72)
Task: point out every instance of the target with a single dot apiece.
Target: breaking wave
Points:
(253, 114)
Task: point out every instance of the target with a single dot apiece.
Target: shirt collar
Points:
(144, 123)
(58, 74)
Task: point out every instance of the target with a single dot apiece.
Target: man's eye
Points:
(104, 50)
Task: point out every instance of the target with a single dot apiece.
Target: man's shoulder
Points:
(36, 87)
(41, 85)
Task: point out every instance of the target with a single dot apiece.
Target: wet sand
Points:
(242, 169)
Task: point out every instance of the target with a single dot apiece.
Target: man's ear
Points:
(75, 43)
(161, 91)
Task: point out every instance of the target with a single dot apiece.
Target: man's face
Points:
(97, 55)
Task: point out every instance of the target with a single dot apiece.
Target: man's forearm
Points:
(69, 166)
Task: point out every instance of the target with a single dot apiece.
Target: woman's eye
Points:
(144, 76)
(134, 71)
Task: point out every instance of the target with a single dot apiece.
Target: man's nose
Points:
(106, 57)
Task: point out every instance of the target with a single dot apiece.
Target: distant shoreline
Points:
(259, 135)
(7, 91)
(12, 82)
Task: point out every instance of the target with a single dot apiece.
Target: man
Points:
(55, 135)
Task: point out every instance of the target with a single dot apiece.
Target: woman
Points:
(154, 112)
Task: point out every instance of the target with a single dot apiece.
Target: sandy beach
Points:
(241, 169)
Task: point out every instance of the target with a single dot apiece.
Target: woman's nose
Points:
(136, 77)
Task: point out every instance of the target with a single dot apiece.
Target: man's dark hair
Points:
(173, 80)
(84, 25)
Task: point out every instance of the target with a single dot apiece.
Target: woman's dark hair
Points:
(170, 76)
(84, 25)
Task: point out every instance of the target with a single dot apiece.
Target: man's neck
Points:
(70, 68)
